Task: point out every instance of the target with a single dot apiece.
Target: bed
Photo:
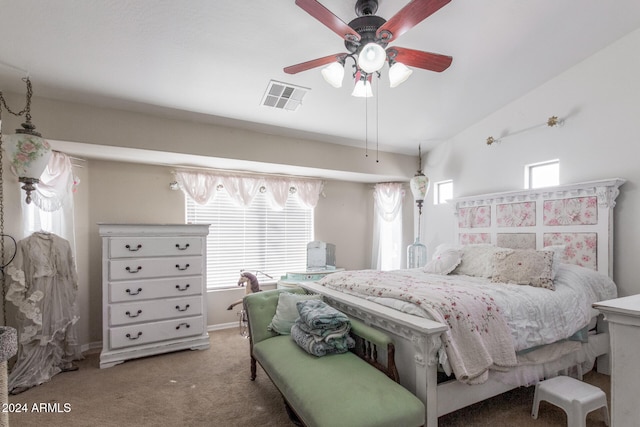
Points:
(476, 332)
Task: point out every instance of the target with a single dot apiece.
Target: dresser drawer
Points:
(141, 268)
(147, 311)
(137, 335)
(139, 247)
(155, 288)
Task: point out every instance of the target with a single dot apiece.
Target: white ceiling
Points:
(212, 60)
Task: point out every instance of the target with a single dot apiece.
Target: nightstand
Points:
(623, 315)
(291, 279)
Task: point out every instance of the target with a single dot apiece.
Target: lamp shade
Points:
(372, 58)
(398, 73)
(28, 154)
(333, 74)
(419, 186)
(362, 89)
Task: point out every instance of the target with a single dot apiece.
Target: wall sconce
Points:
(28, 152)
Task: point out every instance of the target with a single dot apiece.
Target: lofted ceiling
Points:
(212, 60)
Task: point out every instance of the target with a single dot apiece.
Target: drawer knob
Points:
(186, 307)
(130, 270)
(182, 268)
(128, 313)
(130, 292)
(134, 338)
(182, 248)
(136, 249)
(186, 325)
(183, 289)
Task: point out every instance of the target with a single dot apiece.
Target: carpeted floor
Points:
(212, 388)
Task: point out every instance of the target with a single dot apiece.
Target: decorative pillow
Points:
(477, 260)
(287, 312)
(444, 261)
(558, 254)
(524, 267)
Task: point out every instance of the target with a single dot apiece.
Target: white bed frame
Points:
(418, 339)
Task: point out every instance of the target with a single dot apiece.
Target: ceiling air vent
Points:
(283, 96)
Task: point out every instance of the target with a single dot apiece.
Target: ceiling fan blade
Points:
(318, 62)
(417, 58)
(326, 17)
(408, 17)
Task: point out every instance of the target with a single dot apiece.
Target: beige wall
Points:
(65, 121)
(132, 191)
(137, 193)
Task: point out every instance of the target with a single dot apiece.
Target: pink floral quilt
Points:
(478, 338)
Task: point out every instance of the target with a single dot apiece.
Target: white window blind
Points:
(256, 238)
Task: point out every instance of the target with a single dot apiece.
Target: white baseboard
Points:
(221, 326)
(96, 346)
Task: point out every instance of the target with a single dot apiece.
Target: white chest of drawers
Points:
(153, 290)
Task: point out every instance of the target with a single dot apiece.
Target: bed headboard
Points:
(578, 216)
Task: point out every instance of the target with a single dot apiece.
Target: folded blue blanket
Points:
(317, 314)
(326, 334)
(317, 346)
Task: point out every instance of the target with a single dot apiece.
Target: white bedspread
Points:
(535, 316)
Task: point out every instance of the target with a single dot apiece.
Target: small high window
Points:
(443, 191)
(543, 174)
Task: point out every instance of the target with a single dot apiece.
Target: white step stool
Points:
(575, 397)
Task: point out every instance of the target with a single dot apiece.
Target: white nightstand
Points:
(623, 315)
(291, 279)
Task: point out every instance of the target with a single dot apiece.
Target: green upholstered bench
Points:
(350, 389)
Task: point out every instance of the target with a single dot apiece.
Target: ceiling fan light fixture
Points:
(333, 74)
(398, 73)
(362, 89)
(371, 58)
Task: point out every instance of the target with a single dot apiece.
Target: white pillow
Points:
(444, 261)
(287, 312)
(477, 260)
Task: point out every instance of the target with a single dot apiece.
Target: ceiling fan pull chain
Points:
(366, 127)
(377, 119)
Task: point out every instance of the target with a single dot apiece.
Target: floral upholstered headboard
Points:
(577, 216)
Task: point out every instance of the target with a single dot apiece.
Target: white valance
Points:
(202, 187)
(388, 197)
(57, 183)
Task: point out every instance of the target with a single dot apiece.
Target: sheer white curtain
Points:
(202, 187)
(52, 206)
(387, 226)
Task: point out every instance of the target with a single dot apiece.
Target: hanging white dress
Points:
(42, 284)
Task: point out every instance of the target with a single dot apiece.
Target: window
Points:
(543, 174)
(387, 226)
(256, 238)
(442, 192)
(36, 219)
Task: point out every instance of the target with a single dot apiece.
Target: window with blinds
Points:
(256, 238)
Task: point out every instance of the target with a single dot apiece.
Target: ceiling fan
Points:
(366, 39)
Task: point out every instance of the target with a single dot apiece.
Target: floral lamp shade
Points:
(419, 187)
(28, 158)
(28, 154)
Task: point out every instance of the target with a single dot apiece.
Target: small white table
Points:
(623, 315)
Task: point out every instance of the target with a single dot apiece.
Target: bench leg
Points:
(253, 369)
